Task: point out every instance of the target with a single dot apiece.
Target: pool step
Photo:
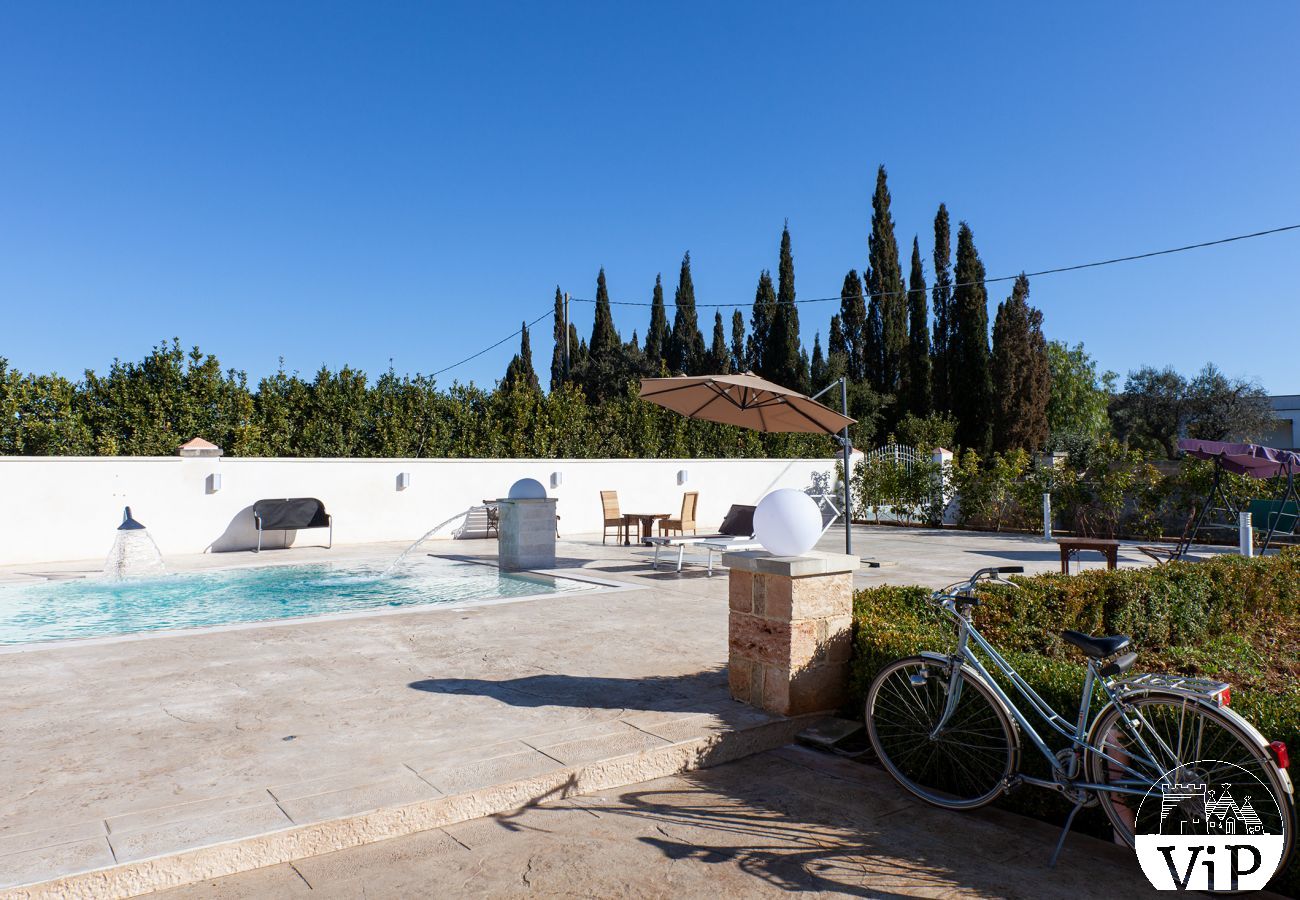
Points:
(634, 748)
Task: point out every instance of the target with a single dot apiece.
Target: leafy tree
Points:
(1079, 396)
(972, 383)
(885, 282)
(520, 373)
(1021, 371)
(853, 325)
(1150, 412)
(760, 325)
(737, 341)
(1220, 408)
(784, 360)
(917, 399)
(926, 433)
(686, 343)
(656, 339)
(942, 297)
(719, 353)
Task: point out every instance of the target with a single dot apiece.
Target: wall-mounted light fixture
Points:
(403, 480)
(683, 476)
(214, 482)
(557, 479)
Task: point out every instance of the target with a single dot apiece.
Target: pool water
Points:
(96, 607)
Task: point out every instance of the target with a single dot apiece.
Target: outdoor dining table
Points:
(646, 520)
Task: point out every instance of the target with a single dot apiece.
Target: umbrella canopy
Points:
(1243, 459)
(744, 400)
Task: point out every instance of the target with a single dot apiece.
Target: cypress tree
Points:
(837, 357)
(873, 347)
(786, 362)
(606, 370)
(656, 338)
(557, 331)
(942, 296)
(972, 382)
(737, 341)
(760, 324)
(719, 353)
(686, 343)
(1022, 379)
(520, 372)
(818, 363)
(918, 399)
(885, 282)
(853, 322)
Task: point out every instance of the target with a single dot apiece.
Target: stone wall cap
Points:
(814, 563)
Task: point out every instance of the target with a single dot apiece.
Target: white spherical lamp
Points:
(787, 522)
(527, 489)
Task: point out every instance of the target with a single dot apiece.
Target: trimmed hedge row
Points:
(1229, 618)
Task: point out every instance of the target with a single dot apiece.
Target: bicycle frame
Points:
(1075, 733)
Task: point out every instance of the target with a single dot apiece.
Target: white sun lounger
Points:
(735, 533)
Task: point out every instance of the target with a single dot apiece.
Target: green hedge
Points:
(1230, 618)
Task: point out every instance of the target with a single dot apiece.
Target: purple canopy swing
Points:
(1253, 460)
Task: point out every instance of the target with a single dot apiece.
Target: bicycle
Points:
(947, 731)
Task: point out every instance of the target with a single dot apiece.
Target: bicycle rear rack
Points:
(1207, 688)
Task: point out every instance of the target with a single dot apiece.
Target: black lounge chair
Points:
(291, 514)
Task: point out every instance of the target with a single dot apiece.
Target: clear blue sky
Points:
(361, 182)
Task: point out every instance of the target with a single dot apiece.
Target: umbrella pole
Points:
(844, 436)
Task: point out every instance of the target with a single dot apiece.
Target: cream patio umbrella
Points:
(752, 402)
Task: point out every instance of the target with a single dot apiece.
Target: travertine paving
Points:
(791, 820)
(125, 750)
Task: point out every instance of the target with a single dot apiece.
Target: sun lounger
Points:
(735, 533)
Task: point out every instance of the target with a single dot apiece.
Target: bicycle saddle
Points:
(1097, 647)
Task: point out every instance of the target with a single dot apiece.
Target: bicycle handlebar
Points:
(990, 573)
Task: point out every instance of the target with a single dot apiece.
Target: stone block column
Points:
(789, 630)
(527, 534)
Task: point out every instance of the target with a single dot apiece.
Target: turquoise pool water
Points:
(96, 607)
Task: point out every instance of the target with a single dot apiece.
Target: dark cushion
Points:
(294, 512)
(739, 521)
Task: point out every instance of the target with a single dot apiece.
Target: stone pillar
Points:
(789, 630)
(527, 534)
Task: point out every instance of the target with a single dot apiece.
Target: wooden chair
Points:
(613, 518)
(685, 521)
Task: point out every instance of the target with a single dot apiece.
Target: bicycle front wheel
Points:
(1158, 733)
(964, 765)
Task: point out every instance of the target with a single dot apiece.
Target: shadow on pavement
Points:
(669, 693)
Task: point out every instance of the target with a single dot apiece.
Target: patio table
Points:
(646, 522)
(1070, 547)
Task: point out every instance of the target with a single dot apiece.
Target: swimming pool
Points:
(98, 607)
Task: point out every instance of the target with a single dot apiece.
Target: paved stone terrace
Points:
(126, 750)
(785, 821)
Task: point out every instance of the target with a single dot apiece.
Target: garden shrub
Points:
(1230, 618)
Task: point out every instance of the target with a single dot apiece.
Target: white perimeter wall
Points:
(63, 508)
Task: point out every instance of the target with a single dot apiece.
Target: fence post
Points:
(942, 457)
(1047, 515)
(1246, 534)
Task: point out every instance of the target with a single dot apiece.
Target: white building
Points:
(1286, 432)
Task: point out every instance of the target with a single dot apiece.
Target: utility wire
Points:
(1074, 268)
(517, 331)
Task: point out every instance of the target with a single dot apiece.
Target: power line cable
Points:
(1073, 268)
(515, 333)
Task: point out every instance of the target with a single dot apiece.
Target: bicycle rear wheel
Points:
(1182, 733)
(964, 766)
